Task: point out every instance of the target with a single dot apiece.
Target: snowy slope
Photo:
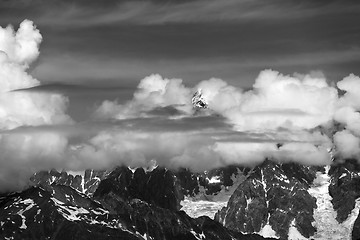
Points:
(325, 222)
(208, 205)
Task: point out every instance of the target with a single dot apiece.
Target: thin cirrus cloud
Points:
(84, 70)
(85, 13)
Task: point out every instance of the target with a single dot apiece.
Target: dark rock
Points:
(86, 184)
(159, 186)
(344, 187)
(61, 212)
(39, 214)
(274, 194)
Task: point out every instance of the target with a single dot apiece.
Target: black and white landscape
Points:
(168, 120)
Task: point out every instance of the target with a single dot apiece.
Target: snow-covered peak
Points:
(198, 100)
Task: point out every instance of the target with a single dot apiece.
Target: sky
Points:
(94, 84)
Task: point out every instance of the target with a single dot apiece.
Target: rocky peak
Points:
(273, 195)
(159, 186)
(198, 100)
(86, 182)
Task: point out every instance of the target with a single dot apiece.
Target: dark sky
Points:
(116, 43)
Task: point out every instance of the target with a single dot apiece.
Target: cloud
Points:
(24, 154)
(347, 113)
(276, 101)
(18, 49)
(85, 13)
(198, 150)
(21, 46)
(348, 145)
(220, 95)
(280, 118)
(152, 92)
(283, 101)
(279, 109)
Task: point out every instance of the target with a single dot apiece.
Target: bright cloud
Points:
(152, 92)
(283, 101)
(18, 49)
(24, 154)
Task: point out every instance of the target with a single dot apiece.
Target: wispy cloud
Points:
(89, 13)
(149, 12)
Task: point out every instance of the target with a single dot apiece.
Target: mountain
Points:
(274, 198)
(291, 201)
(199, 101)
(126, 204)
(279, 200)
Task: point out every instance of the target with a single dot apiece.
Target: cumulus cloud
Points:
(18, 49)
(347, 113)
(280, 109)
(276, 101)
(219, 95)
(347, 144)
(152, 92)
(349, 104)
(20, 46)
(23, 154)
(284, 101)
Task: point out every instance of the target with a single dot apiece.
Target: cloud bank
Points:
(286, 118)
(22, 154)
(282, 109)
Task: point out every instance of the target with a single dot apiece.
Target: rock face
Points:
(126, 205)
(275, 195)
(356, 229)
(86, 183)
(158, 187)
(344, 189)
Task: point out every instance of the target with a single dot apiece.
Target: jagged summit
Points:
(198, 100)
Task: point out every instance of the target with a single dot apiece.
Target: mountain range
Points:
(272, 200)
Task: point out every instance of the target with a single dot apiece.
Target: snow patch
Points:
(71, 213)
(294, 233)
(214, 180)
(30, 204)
(201, 208)
(268, 232)
(197, 235)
